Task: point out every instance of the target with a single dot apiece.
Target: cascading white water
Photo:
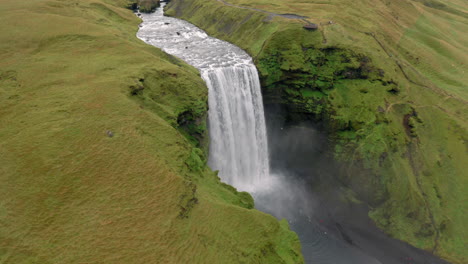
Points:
(238, 146)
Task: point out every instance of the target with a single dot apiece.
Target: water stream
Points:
(238, 147)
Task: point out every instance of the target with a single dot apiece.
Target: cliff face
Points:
(385, 81)
(101, 140)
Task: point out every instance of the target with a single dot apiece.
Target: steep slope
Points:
(100, 149)
(387, 82)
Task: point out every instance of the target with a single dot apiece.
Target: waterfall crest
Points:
(238, 143)
(238, 140)
(238, 147)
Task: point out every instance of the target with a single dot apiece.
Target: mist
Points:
(298, 166)
(293, 153)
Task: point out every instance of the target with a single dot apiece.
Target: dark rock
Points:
(136, 89)
(311, 26)
(132, 6)
(109, 133)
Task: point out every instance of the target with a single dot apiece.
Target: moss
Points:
(381, 106)
(154, 91)
(144, 6)
(196, 161)
(148, 6)
(188, 199)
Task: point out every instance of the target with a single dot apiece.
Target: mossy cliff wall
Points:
(400, 139)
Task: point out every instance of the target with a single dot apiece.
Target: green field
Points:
(96, 165)
(388, 81)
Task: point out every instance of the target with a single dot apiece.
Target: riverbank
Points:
(101, 139)
(325, 234)
(397, 130)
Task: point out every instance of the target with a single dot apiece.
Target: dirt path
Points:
(271, 14)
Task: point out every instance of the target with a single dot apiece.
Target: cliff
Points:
(386, 82)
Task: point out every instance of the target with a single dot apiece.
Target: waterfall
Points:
(238, 139)
(238, 147)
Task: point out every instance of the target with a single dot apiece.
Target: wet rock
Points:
(311, 26)
(109, 133)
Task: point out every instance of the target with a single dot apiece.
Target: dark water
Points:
(330, 231)
(309, 195)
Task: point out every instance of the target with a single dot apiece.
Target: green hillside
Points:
(387, 81)
(101, 140)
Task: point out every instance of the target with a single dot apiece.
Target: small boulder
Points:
(109, 133)
(311, 26)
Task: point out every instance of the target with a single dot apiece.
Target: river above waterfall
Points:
(238, 149)
(189, 43)
(236, 120)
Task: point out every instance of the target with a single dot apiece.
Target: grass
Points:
(70, 71)
(388, 80)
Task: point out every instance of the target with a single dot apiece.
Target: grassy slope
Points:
(388, 79)
(71, 194)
